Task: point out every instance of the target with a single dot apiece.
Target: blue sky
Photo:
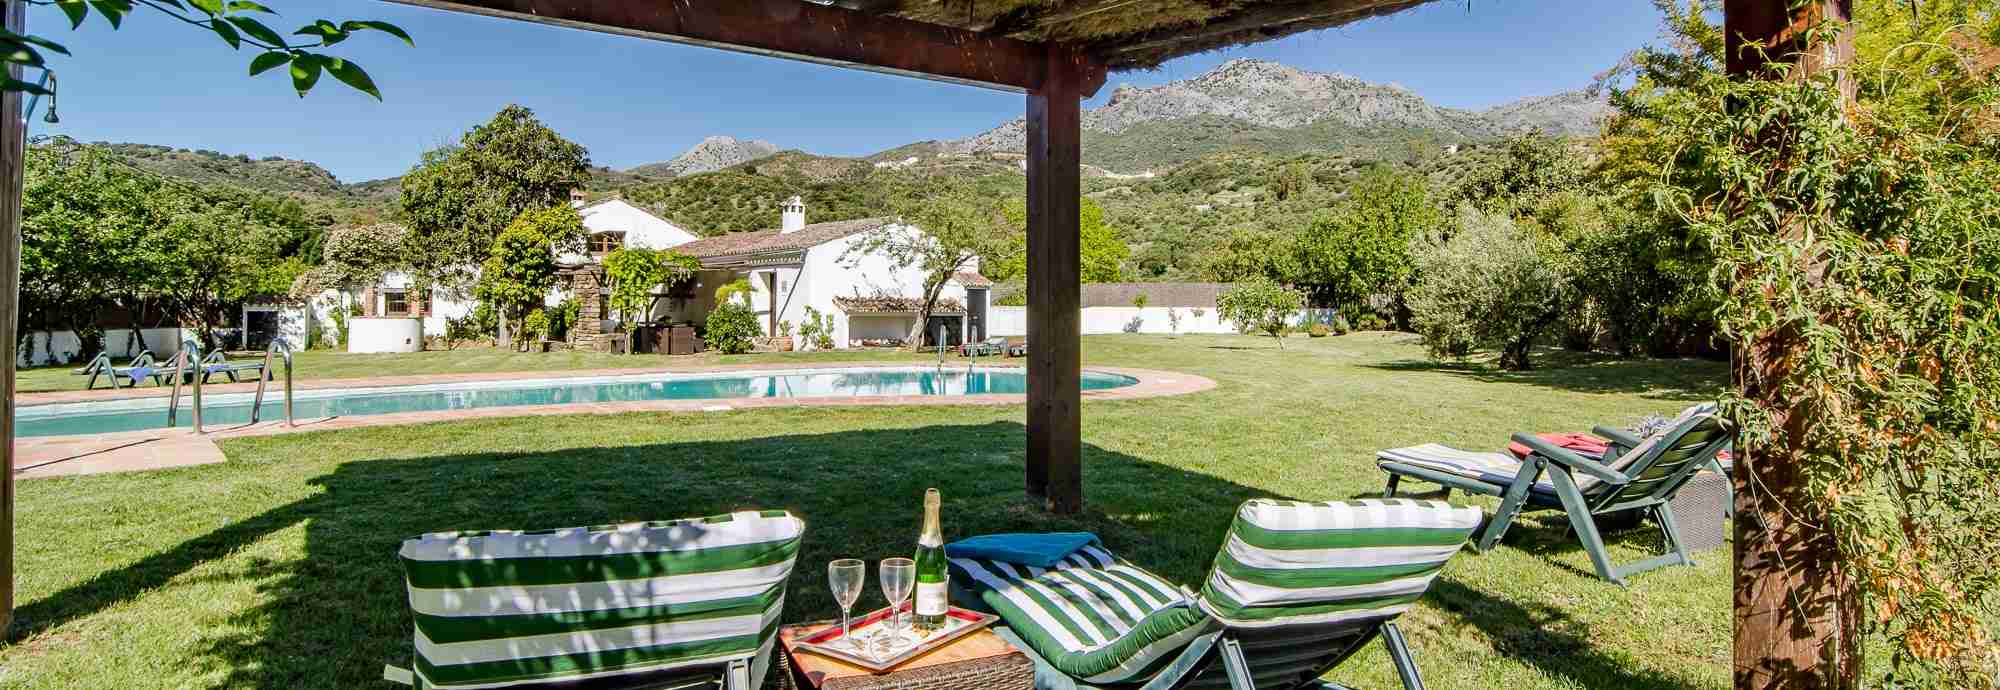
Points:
(634, 101)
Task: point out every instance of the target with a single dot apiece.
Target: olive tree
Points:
(1487, 284)
(1258, 304)
(942, 230)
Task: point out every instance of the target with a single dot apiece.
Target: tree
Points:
(1258, 304)
(459, 198)
(234, 23)
(1101, 253)
(1362, 247)
(1488, 284)
(210, 259)
(636, 273)
(943, 230)
(84, 223)
(521, 266)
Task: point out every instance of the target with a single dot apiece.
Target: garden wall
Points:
(61, 347)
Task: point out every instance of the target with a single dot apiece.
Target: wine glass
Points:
(845, 577)
(898, 575)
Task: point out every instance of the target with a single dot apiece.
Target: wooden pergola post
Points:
(1055, 348)
(1797, 619)
(13, 149)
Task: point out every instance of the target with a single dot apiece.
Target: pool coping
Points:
(49, 456)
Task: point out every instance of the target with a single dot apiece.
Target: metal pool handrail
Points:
(189, 349)
(278, 347)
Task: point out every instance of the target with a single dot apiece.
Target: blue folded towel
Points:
(1036, 550)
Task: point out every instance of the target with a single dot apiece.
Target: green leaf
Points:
(305, 72)
(33, 40)
(12, 84)
(247, 6)
(384, 27)
(227, 32)
(212, 7)
(75, 10)
(352, 75)
(327, 32)
(268, 61)
(114, 11)
(257, 30)
(17, 54)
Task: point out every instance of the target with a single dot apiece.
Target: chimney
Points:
(576, 198)
(795, 216)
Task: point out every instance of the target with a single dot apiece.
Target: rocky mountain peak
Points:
(712, 154)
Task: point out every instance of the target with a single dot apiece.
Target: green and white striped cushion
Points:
(1092, 616)
(495, 609)
(1297, 563)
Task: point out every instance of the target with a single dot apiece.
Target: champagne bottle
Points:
(932, 575)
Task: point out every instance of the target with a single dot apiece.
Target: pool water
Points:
(229, 409)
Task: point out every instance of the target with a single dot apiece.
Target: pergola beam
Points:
(798, 30)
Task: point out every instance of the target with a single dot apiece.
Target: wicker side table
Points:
(979, 661)
(1699, 507)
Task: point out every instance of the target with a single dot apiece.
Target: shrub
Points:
(817, 330)
(1489, 284)
(1319, 331)
(1258, 304)
(536, 326)
(1340, 325)
(338, 315)
(731, 328)
(1174, 320)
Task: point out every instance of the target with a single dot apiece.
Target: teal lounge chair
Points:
(682, 604)
(1296, 589)
(141, 367)
(996, 345)
(218, 363)
(1635, 475)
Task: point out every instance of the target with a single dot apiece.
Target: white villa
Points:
(867, 297)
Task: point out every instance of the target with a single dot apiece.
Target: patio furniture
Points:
(218, 363)
(1296, 589)
(995, 345)
(1635, 474)
(979, 661)
(1017, 346)
(658, 604)
(142, 366)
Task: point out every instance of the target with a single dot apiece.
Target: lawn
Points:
(327, 364)
(277, 570)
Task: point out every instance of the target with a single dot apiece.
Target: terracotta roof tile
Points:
(772, 241)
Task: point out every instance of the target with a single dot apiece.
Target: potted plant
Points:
(783, 341)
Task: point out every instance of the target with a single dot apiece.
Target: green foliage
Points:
(338, 315)
(817, 330)
(637, 273)
(536, 326)
(459, 198)
(1362, 247)
(1100, 250)
(1340, 325)
(731, 328)
(945, 228)
(1258, 304)
(1139, 301)
(730, 291)
(1858, 264)
(1318, 330)
(521, 266)
(1488, 284)
(234, 23)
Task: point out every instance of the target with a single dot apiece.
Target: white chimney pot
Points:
(795, 216)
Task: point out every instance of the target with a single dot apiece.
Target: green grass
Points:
(277, 570)
(326, 364)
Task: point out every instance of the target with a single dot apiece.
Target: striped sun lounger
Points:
(663, 604)
(1296, 589)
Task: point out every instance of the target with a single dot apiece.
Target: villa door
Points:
(771, 288)
(975, 314)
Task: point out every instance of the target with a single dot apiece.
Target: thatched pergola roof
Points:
(1136, 34)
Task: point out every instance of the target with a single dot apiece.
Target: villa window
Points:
(395, 303)
(606, 242)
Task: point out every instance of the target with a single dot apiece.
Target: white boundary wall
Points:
(59, 347)
(397, 334)
(1013, 321)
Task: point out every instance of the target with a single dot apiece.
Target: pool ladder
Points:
(191, 352)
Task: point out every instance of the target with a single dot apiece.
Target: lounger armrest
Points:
(1562, 456)
(1618, 436)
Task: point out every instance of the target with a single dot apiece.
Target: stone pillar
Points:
(368, 301)
(590, 307)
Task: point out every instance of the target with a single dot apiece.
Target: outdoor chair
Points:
(218, 363)
(1296, 589)
(1635, 475)
(142, 366)
(1017, 347)
(681, 604)
(995, 345)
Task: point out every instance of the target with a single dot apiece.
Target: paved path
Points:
(163, 448)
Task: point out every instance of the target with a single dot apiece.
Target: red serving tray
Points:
(823, 641)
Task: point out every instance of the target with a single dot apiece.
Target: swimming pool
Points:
(65, 419)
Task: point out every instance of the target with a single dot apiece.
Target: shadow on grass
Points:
(1672, 379)
(334, 617)
(1544, 637)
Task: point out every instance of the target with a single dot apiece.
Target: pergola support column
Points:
(1055, 348)
(13, 152)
